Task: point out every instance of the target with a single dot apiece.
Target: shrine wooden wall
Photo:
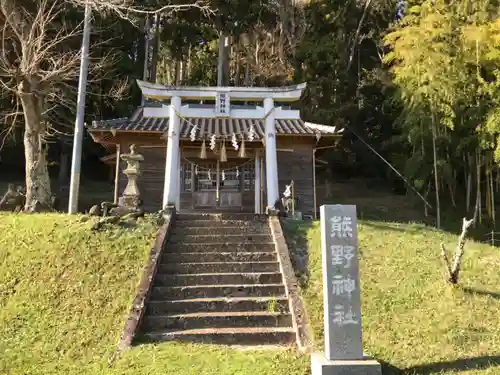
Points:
(297, 166)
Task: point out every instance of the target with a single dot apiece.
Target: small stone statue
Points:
(286, 201)
(12, 200)
(131, 194)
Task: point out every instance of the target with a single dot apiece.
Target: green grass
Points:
(411, 318)
(64, 295)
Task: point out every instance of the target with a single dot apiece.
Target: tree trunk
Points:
(227, 57)
(37, 173)
(468, 181)
(237, 63)
(220, 60)
(156, 47)
(436, 177)
(478, 178)
(189, 65)
(145, 70)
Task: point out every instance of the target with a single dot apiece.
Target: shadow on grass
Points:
(392, 227)
(388, 369)
(462, 364)
(480, 292)
(385, 206)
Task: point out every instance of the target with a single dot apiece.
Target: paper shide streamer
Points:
(192, 134)
(251, 133)
(212, 142)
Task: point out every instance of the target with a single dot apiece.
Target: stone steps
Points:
(238, 238)
(227, 336)
(217, 320)
(219, 267)
(218, 281)
(225, 230)
(219, 257)
(219, 278)
(219, 304)
(216, 217)
(214, 291)
(215, 246)
(179, 224)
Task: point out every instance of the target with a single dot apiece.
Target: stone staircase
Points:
(219, 281)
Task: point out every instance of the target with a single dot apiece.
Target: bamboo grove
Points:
(445, 62)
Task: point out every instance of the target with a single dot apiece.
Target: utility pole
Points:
(76, 160)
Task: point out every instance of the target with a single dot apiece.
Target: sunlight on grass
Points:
(411, 318)
(64, 295)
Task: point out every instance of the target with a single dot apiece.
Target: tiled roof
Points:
(209, 126)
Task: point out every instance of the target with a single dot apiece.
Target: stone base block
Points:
(321, 366)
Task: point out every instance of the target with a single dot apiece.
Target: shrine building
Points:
(218, 148)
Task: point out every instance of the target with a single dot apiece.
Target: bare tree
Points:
(36, 67)
(39, 66)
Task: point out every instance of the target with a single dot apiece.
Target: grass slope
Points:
(411, 318)
(64, 296)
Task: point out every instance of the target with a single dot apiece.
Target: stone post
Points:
(271, 155)
(171, 164)
(131, 194)
(341, 297)
(257, 182)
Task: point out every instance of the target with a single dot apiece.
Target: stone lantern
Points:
(131, 194)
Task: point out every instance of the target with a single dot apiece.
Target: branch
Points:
(358, 31)
(453, 271)
(124, 9)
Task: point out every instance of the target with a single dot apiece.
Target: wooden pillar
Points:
(314, 185)
(194, 179)
(217, 184)
(271, 155)
(262, 181)
(179, 184)
(117, 174)
(172, 159)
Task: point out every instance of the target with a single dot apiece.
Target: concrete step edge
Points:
(218, 286)
(217, 244)
(219, 273)
(237, 227)
(235, 330)
(222, 235)
(205, 263)
(225, 314)
(222, 299)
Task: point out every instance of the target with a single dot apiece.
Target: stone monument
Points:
(131, 194)
(342, 308)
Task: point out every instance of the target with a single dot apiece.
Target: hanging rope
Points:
(390, 166)
(193, 127)
(199, 168)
